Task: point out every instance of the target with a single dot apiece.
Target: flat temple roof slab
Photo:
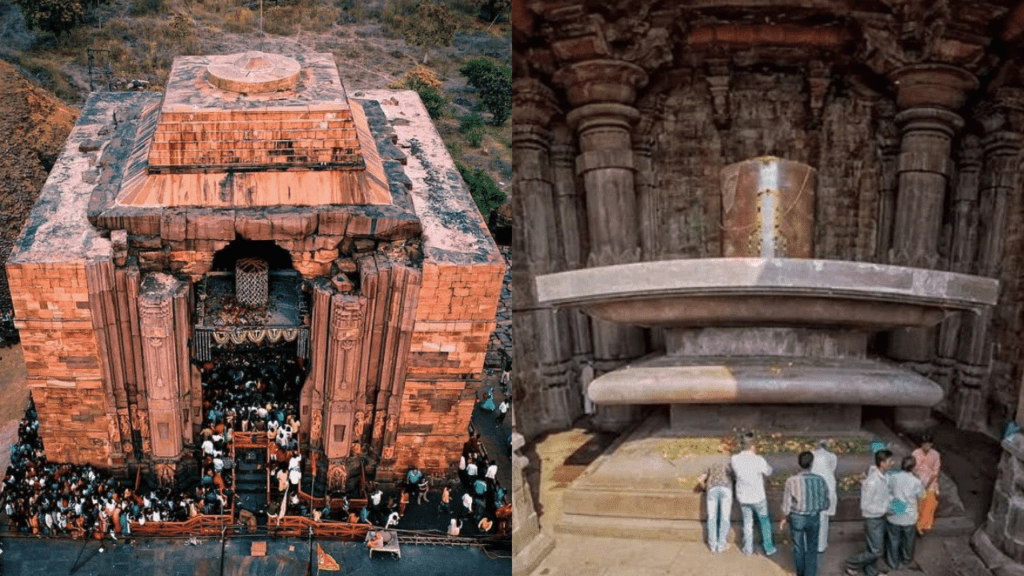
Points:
(453, 229)
(765, 291)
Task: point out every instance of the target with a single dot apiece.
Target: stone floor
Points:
(602, 556)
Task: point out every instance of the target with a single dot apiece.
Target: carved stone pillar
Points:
(529, 544)
(342, 380)
(927, 95)
(571, 218)
(543, 344)
(601, 93)
(961, 259)
(998, 180)
(160, 363)
(312, 399)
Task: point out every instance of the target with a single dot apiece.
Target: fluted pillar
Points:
(963, 247)
(602, 93)
(543, 342)
(998, 181)
(928, 96)
(571, 223)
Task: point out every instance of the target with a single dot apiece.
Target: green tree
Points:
(492, 10)
(485, 192)
(494, 83)
(53, 16)
(426, 25)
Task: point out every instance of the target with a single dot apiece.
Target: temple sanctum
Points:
(794, 216)
(256, 207)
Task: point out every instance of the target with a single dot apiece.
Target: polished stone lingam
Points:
(766, 337)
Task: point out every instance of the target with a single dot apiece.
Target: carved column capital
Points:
(932, 86)
(599, 81)
(533, 103)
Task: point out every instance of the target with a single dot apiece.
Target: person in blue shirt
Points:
(364, 515)
(412, 479)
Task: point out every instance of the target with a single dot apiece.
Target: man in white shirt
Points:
(492, 471)
(874, 503)
(824, 465)
(750, 470)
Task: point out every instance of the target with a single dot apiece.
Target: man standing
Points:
(825, 466)
(874, 503)
(750, 471)
(805, 497)
(906, 490)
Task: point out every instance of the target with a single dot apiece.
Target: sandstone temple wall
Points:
(51, 301)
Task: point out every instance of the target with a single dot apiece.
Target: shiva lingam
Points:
(767, 336)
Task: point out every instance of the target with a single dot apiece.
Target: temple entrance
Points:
(251, 344)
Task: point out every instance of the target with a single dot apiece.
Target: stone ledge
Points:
(999, 563)
(714, 291)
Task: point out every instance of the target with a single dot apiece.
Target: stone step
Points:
(693, 530)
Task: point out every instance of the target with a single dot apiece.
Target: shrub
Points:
(494, 83)
(470, 121)
(433, 101)
(481, 186)
(55, 16)
(472, 125)
(424, 24)
(424, 81)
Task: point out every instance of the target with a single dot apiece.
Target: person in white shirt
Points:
(874, 503)
(824, 465)
(492, 471)
(467, 503)
(750, 470)
(471, 470)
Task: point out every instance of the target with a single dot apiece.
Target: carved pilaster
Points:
(718, 75)
(571, 217)
(160, 364)
(888, 149)
(342, 381)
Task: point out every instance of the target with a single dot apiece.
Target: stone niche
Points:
(155, 199)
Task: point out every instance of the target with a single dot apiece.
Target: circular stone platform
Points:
(253, 72)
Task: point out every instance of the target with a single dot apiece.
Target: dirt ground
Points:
(14, 397)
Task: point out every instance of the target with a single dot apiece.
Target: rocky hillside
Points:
(34, 126)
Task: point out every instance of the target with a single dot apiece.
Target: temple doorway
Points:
(251, 345)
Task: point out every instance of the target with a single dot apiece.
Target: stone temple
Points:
(786, 214)
(256, 204)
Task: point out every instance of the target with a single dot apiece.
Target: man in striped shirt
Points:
(805, 497)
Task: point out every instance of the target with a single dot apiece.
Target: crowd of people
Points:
(898, 503)
(252, 393)
(242, 393)
(46, 498)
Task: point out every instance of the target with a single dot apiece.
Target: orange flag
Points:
(325, 561)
